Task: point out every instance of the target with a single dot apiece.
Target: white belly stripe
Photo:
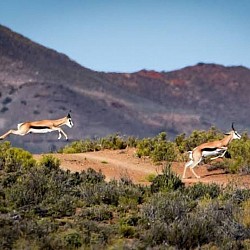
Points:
(40, 131)
(212, 153)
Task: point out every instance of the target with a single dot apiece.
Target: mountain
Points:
(40, 83)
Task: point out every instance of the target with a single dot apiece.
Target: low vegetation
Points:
(161, 148)
(44, 207)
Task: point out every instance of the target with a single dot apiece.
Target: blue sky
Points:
(127, 36)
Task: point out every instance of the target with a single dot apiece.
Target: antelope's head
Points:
(236, 135)
(69, 121)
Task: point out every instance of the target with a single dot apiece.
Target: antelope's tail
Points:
(189, 163)
(190, 155)
(19, 125)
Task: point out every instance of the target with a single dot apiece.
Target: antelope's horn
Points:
(69, 116)
(233, 126)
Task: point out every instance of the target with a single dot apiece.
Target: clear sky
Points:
(130, 35)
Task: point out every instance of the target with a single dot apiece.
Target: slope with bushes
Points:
(45, 207)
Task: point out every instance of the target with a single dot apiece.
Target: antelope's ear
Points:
(227, 134)
(69, 116)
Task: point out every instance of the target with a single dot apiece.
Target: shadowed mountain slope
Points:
(40, 83)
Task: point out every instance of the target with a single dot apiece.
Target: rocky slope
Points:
(39, 83)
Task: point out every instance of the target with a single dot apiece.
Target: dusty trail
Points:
(115, 164)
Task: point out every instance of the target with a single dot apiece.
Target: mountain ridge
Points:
(40, 83)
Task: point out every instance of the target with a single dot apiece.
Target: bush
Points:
(110, 142)
(50, 163)
(201, 190)
(73, 240)
(81, 147)
(176, 221)
(158, 148)
(113, 142)
(167, 181)
(166, 207)
(240, 152)
(127, 231)
(15, 159)
(97, 213)
(91, 176)
(30, 189)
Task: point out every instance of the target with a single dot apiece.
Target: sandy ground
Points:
(115, 164)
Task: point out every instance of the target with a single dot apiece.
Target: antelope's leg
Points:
(192, 169)
(60, 135)
(12, 131)
(193, 166)
(188, 164)
(222, 155)
(60, 131)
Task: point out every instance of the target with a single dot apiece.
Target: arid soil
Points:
(115, 164)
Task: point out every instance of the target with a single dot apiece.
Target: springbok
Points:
(41, 127)
(216, 148)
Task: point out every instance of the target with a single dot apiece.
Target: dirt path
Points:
(115, 164)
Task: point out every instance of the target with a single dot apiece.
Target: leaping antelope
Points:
(40, 127)
(217, 148)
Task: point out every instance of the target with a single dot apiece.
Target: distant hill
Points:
(40, 83)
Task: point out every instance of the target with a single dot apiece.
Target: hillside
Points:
(40, 83)
(196, 97)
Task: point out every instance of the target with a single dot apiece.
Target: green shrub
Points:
(200, 190)
(165, 151)
(15, 159)
(81, 147)
(240, 152)
(3, 148)
(97, 213)
(192, 231)
(222, 165)
(96, 194)
(29, 189)
(234, 194)
(111, 193)
(127, 231)
(64, 206)
(73, 240)
(176, 221)
(166, 207)
(110, 142)
(181, 143)
(49, 162)
(91, 176)
(158, 148)
(96, 235)
(167, 181)
(113, 142)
